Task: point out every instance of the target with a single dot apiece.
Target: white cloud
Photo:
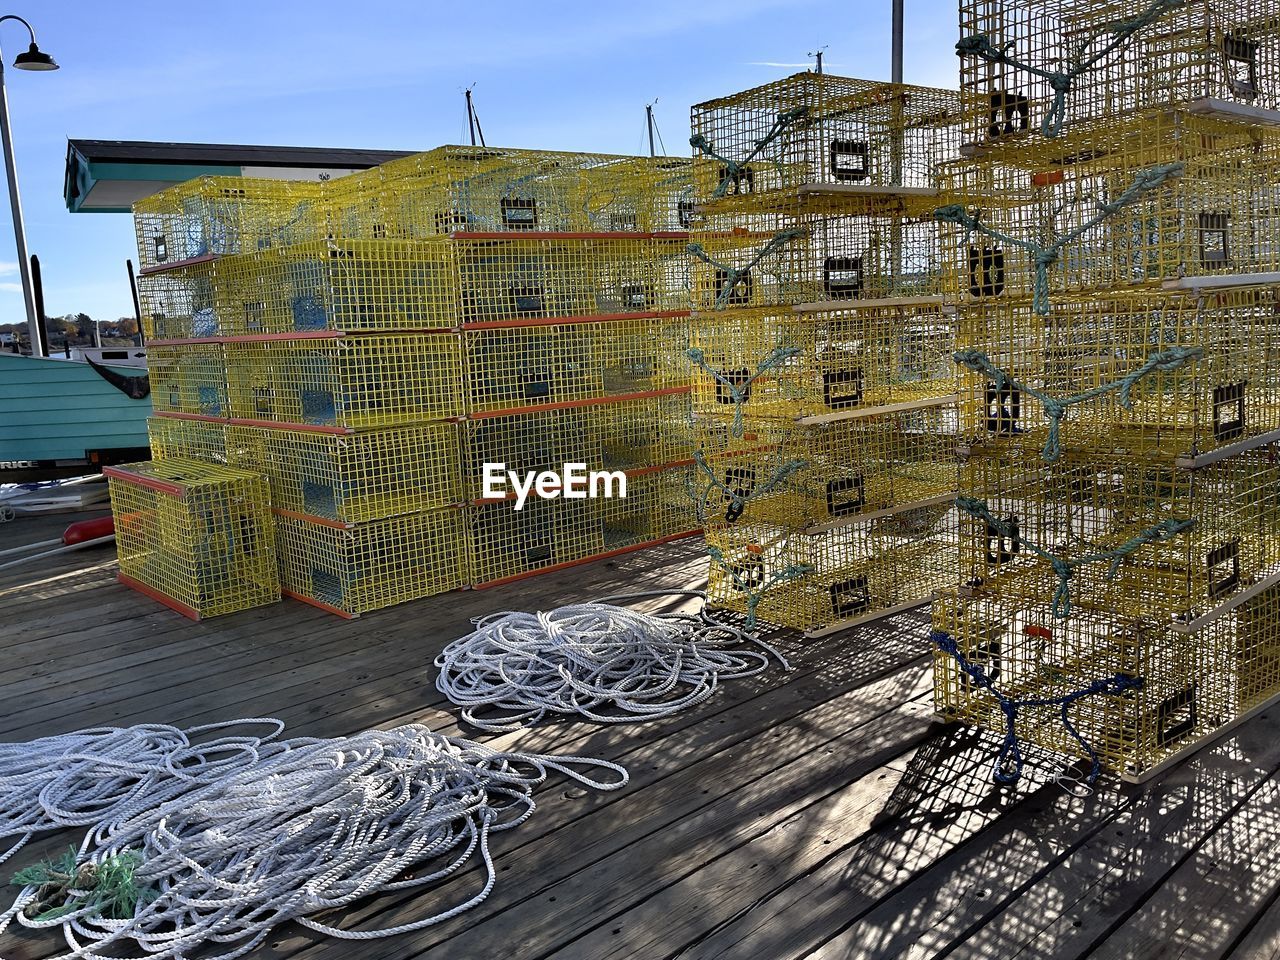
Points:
(7, 267)
(11, 287)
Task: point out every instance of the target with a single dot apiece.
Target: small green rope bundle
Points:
(738, 501)
(107, 889)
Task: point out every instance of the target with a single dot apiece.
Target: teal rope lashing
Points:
(738, 501)
(1044, 257)
(734, 168)
(1055, 408)
(1065, 569)
(734, 274)
(1008, 763)
(744, 585)
(738, 391)
(1062, 81)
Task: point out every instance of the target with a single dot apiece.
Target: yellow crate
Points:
(780, 260)
(1129, 56)
(356, 477)
(1191, 539)
(198, 301)
(194, 536)
(348, 382)
(507, 544)
(225, 215)
(772, 364)
(179, 437)
(501, 190)
(811, 129)
(629, 435)
(827, 475)
(1191, 683)
(340, 285)
(515, 367)
(190, 378)
(353, 570)
(540, 275)
(1201, 367)
(655, 508)
(1135, 201)
(853, 573)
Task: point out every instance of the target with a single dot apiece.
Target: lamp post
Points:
(33, 59)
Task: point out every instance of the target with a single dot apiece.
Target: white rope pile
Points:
(308, 829)
(109, 774)
(596, 660)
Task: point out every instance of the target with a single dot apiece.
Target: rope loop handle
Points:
(738, 391)
(734, 274)
(733, 168)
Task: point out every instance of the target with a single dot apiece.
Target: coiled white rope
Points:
(597, 660)
(108, 774)
(308, 829)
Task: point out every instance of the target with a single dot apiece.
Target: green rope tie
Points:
(1056, 408)
(734, 274)
(1065, 569)
(738, 392)
(108, 888)
(791, 572)
(1062, 81)
(734, 168)
(1044, 257)
(738, 501)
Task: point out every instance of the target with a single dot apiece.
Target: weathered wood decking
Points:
(817, 813)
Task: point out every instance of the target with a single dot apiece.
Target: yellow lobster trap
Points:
(507, 544)
(1162, 198)
(194, 536)
(1137, 538)
(197, 301)
(352, 478)
(831, 580)
(1033, 66)
(188, 379)
(185, 438)
(216, 216)
(460, 188)
(828, 475)
(1158, 374)
(845, 363)
(345, 382)
(1156, 691)
(863, 139)
(541, 365)
(351, 570)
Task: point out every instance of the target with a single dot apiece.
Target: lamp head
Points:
(34, 59)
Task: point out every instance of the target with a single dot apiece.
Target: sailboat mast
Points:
(648, 116)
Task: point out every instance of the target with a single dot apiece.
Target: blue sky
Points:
(390, 75)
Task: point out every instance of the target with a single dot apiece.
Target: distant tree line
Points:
(76, 330)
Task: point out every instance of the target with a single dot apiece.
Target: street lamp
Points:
(33, 59)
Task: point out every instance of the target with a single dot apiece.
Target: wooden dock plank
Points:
(993, 873)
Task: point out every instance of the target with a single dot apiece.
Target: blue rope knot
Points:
(1007, 767)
